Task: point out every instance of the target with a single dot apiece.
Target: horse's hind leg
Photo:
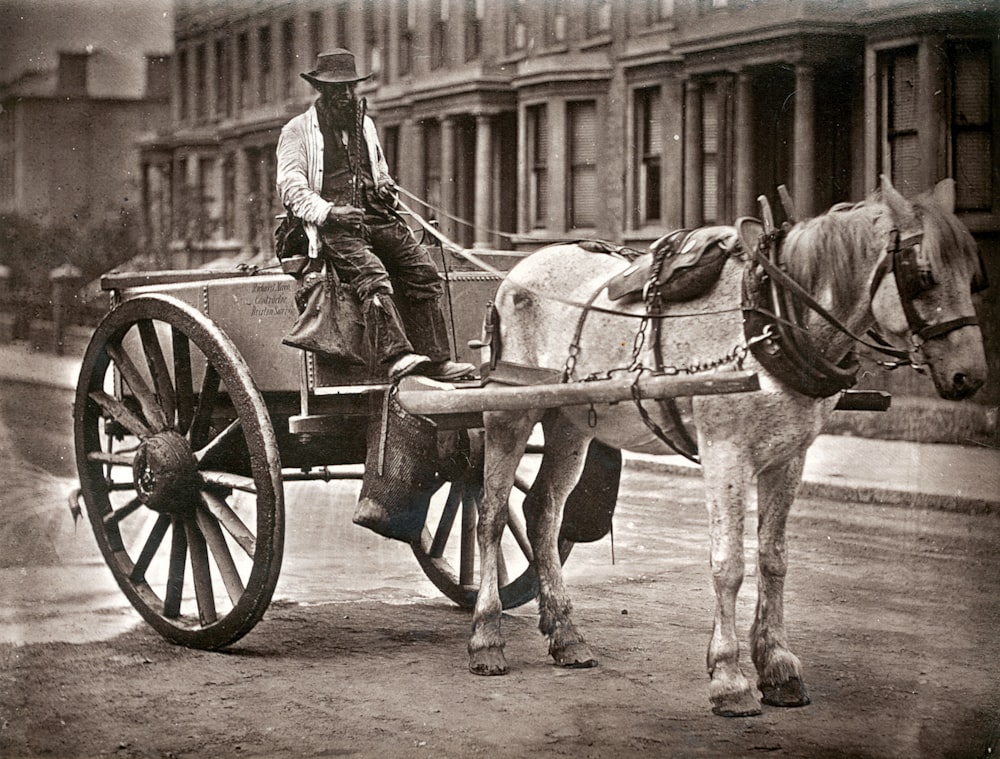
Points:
(778, 669)
(565, 455)
(507, 434)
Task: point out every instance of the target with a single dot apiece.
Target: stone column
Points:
(745, 190)
(693, 158)
(804, 139)
(484, 181)
(447, 175)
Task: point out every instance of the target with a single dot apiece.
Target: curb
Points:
(822, 487)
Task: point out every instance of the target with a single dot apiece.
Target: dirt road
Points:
(893, 612)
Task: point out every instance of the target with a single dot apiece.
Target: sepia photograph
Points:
(502, 378)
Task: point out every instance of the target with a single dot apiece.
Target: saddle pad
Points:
(690, 267)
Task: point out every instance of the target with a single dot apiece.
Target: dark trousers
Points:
(381, 259)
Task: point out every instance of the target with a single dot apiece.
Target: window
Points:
(432, 167)
(648, 143)
(538, 156)
(555, 22)
(372, 58)
(971, 124)
(264, 87)
(515, 32)
(289, 66)
(405, 37)
(900, 93)
(390, 148)
(182, 85)
(200, 84)
(315, 35)
(342, 25)
(229, 196)
(439, 33)
(223, 78)
(243, 62)
(598, 17)
(473, 29)
(582, 151)
(711, 157)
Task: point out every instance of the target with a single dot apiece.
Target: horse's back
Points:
(553, 306)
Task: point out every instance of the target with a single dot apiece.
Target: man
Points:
(332, 175)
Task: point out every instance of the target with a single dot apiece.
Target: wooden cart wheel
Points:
(449, 540)
(180, 471)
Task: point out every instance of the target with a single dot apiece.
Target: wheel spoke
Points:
(229, 480)
(467, 560)
(115, 517)
(503, 578)
(228, 518)
(183, 383)
(158, 369)
(152, 545)
(147, 399)
(448, 514)
(206, 405)
(517, 529)
(120, 413)
(201, 571)
(216, 442)
(114, 459)
(175, 576)
(220, 551)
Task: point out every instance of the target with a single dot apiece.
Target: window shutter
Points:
(583, 158)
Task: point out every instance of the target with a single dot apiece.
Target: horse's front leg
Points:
(564, 459)
(779, 672)
(726, 478)
(506, 436)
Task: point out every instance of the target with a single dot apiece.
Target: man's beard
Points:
(338, 113)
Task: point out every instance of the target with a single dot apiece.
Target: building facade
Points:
(68, 156)
(521, 122)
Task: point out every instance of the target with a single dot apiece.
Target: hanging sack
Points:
(329, 319)
(401, 470)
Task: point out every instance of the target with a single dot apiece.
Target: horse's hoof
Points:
(790, 693)
(574, 656)
(488, 662)
(737, 705)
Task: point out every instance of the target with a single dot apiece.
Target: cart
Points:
(190, 415)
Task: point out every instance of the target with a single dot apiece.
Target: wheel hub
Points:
(165, 473)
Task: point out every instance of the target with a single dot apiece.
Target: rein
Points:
(771, 241)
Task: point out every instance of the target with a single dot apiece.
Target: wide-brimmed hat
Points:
(334, 67)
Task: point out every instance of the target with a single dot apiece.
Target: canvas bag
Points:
(329, 320)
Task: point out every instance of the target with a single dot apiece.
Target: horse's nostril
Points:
(963, 385)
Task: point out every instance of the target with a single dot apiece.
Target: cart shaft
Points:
(421, 396)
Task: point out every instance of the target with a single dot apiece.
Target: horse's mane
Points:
(832, 248)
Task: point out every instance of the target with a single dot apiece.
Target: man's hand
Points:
(346, 216)
(386, 189)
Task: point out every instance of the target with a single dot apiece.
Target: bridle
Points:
(774, 304)
(911, 268)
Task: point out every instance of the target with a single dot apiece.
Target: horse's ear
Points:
(944, 194)
(898, 205)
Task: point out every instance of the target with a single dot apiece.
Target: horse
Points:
(554, 315)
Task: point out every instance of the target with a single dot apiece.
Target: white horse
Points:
(849, 259)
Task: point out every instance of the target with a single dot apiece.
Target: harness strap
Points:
(778, 276)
